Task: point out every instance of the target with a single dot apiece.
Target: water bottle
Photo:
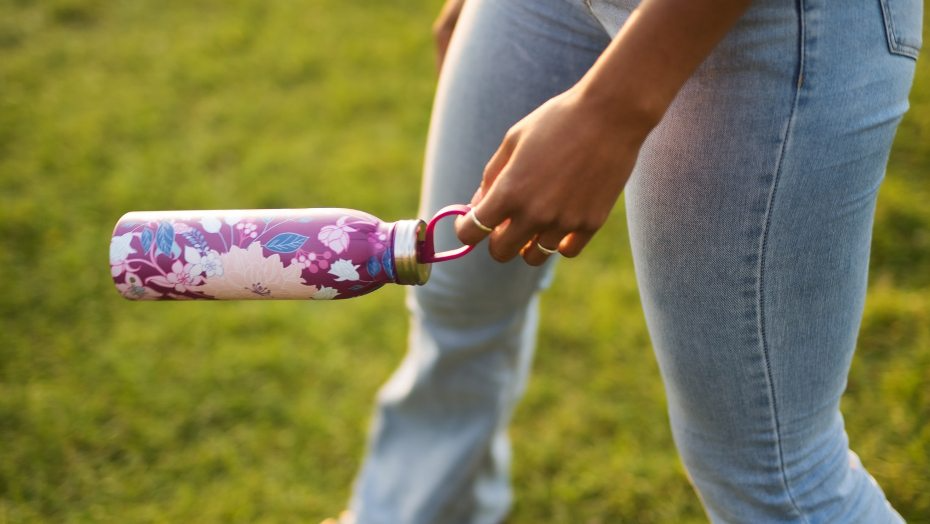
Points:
(316, 254)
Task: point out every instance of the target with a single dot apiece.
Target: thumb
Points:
(465, 227)
(497, 162)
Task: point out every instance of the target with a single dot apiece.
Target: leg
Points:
(750, 214)
(439, 451)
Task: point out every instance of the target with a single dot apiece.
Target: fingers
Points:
(470, 229)
(573, 244)
(487, 209)
(534, 252)
(500, 211)
(443, 35)
(508, 240)
(510, 236)
(441, 47)
(498, 161)
(444, 27)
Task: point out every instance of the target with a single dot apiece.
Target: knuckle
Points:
(543, 217)
(568, 224)
(488, 173)
(590, 224)
(536, 222)
(509, 201)
(511, 136)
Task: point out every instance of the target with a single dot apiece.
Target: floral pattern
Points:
(318, 254)
(336, 237)
(181, 278)
(247, 273)
(344, 270)
(120, 248)
(133, 289)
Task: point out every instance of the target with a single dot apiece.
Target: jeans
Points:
(750, 212)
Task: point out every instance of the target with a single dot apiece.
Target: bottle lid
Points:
(415, 250)
(408, 236)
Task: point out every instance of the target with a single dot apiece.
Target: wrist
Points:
(633, 112)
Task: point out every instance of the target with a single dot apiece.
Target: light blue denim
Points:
(750, 212)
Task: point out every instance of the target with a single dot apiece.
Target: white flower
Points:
(232, 219)
(336, 237)
(343, 270)
(325, 293)
(211, 224)
(209, 263)
(120, 249)
(248, 274)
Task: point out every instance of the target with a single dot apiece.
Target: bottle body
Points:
(315, 254)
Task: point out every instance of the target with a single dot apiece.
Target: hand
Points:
(443, 28)
(555, 178)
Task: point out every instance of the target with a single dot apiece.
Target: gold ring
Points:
(546, 250)
(478, 224)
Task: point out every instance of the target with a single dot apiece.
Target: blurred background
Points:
(258, 412)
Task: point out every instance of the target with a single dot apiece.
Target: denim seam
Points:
(891, 34)
(779, 166)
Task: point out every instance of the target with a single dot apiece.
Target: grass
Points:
(257, 412)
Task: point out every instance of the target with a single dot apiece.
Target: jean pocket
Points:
(903, 25)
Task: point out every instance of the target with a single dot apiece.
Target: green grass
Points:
(257, 412)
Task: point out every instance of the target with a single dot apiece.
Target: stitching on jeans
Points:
(891, 34)
(762, 252)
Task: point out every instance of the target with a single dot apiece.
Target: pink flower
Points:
(247, 273)
(336, 237)
(180, 278)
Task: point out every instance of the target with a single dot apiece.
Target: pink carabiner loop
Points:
(428, 253)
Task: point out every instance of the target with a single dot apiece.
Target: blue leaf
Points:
(373, 267)
(196, 239)
(387, 260)
(175, 250)
(146, 240)
(356, 287)
(164, 237)
(285, 243)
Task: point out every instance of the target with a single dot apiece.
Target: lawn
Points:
(257, 412)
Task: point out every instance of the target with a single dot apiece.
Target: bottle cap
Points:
(414, 248)
(408, 235)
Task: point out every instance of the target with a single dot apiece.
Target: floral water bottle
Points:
(316, 254)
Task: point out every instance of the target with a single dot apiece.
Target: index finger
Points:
(470, 229)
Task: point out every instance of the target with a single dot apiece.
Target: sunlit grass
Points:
(257, 412)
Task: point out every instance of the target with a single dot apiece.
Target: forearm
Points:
(559, 170)
(654, 54)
